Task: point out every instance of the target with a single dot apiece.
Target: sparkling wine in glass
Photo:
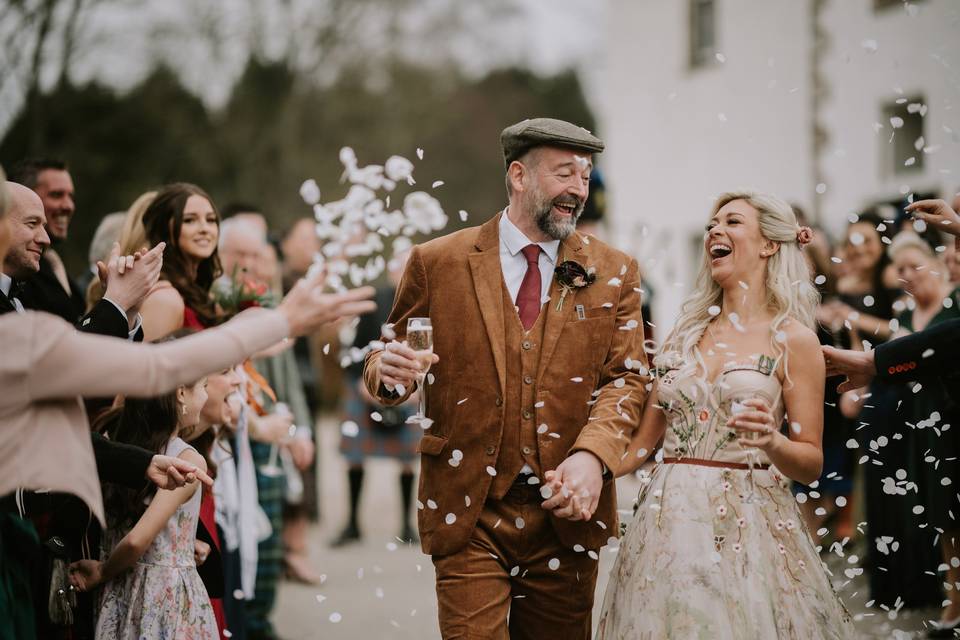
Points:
(737, 406)
(420, 339)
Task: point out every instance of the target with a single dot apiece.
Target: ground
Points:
(381, 588)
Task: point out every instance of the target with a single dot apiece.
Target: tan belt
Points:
(722, 464)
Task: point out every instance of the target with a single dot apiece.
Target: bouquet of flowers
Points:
(237, 292)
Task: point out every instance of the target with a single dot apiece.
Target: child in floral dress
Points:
(151, 588)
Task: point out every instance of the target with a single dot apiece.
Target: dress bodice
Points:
(174, 545)
(697, 409)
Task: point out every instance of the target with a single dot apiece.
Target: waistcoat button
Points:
(528, 379)
(526, 414)
(527, 451)
(499, 401)
(526, 344)
(491, 450)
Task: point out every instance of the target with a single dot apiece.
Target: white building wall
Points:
(875, 58)
(678, 136)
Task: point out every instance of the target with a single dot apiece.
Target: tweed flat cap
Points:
(519, 138)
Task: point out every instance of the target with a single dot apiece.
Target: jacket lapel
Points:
(570, 249)
(487, 278)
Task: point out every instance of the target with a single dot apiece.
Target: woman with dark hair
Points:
(183, 216)
(151, 587)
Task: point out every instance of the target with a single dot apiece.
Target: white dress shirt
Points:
(5, 283)
(514, 265)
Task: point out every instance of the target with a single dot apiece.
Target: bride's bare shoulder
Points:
(802, 344)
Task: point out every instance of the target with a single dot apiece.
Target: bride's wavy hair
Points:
(790, 293)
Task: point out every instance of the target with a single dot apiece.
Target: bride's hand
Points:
(759, 421)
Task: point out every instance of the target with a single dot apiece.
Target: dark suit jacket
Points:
(931, 352)
(43, 292)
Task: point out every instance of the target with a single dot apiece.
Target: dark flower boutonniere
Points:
(572, 275)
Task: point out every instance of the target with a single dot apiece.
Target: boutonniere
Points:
(572, 275)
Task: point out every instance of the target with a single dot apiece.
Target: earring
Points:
(183, 409)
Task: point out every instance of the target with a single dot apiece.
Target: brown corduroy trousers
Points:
(514, 580)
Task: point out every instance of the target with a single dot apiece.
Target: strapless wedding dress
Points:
(699, 559)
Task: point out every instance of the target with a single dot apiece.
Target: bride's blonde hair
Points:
(790, 291)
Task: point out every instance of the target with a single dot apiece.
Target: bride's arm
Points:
(652, 426)
(799, 454)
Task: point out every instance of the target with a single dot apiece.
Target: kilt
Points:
(391, 438)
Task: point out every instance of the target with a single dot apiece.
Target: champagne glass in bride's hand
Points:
(738, 405)
(420, 339)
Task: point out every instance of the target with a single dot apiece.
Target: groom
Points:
(537, 384)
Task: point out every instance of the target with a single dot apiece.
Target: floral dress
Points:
(162, 596)
(699, 559)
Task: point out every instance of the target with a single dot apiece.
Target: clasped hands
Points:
(572, 490)
(126, 280)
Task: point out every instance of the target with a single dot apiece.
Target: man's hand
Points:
(936, 213)
(399, 365)
(573, 490)
(857, 366)
(171, 473)
(128, 279)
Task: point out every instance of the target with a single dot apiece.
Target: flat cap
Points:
(519, 138)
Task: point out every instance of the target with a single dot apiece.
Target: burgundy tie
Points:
(528, 298)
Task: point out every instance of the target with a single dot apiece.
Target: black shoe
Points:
(409, 535)
(349, 535)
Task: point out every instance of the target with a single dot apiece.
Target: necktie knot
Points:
(16, 288)
(532, 253)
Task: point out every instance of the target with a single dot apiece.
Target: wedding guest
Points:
(926, 410)
(183, 217)
(387, 436)
(51, 289)
(131, 238)
(298, 247)
(47, 364)
(61, 519)
(150, 584)
(105, 235)
(931, 352)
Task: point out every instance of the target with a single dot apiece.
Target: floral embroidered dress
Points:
(699, 559)
(162, 596)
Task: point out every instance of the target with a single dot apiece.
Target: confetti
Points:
(463, 215)
(554, 564)
(713, 310)
(436, 183)
(491, 470)
(450, 519)
(335, 618)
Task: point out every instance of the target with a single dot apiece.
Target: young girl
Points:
(151, 588)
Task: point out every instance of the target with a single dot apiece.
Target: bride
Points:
(717, 548)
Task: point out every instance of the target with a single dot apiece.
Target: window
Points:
(703, 37)
(904, 151)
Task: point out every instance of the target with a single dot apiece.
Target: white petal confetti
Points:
(335, 617)
(714, 310)
(450, 519)
(491, 470)
(554, 564)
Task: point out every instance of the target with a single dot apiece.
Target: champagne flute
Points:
(737, 405)
(272, 469)
(420, 339)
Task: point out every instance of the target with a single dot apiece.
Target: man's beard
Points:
(554, 226)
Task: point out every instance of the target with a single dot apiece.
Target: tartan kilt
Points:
(392, 438)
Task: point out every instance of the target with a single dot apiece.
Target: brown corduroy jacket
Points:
(585, 391)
